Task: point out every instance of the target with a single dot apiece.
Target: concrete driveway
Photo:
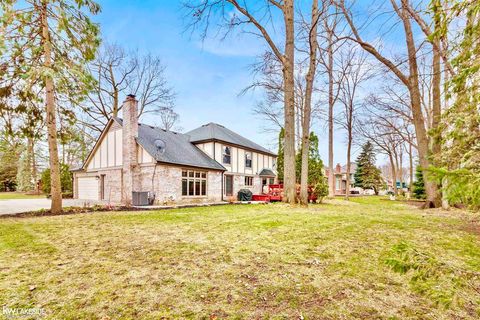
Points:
(14, 206)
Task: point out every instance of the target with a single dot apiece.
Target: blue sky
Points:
(207, 77)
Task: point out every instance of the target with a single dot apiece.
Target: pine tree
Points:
(25, 180)
(419, 184)
(281, 137)
(8, 165)
(367, 175)
(46, 45)
(315, 164)
(458, 165)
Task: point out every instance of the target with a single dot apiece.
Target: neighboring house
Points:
(340, 177)
(400, 185)
(208, 164)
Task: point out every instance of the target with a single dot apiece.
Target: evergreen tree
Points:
(8, 166)
(281, 137)
(47, 44)
(367, 175)
(419, 184)
(65, 178)
(458, 165)
(25, 179)
(315, 164)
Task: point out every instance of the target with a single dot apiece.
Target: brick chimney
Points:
(130, 133)
(338, 168)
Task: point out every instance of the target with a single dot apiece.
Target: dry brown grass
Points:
(243, 262)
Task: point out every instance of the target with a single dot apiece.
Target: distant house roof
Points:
(353, 167)
(178, 149)
(339, 169)
(214, 131)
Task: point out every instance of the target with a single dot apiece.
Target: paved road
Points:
(24, 205)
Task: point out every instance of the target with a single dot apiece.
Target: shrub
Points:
(320, 190)
(66, 179)
(439, 281)
(419, 185)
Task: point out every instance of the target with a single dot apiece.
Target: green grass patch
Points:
(19, 195)
(362, 259)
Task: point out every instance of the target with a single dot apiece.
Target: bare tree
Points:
(256, 19)
(307, 105)
(169, 119)
(117, 73)
(356, 71)
(328, 46)
(410, 80)
(384, 139)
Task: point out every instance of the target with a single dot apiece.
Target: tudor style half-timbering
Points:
(248, 165)
(207, 164)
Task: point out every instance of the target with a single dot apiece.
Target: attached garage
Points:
(88, 188)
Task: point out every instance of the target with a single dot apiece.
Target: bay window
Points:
(194, 183)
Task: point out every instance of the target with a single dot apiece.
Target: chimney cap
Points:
(130, 96)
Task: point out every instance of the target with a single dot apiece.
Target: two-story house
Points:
(340, 177)
(208, 164)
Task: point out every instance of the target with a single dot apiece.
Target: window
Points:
(248, 159)
(226, 155)
(274, 164)
(272, 180)
(248, 181)
(194, 183)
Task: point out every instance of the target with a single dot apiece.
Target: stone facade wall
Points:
(167, 185)
(239, 183)
(113, 183)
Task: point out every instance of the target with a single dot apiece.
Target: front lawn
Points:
(367, 259)
(19, 195)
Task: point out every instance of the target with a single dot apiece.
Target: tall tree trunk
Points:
(397, 166)
(331, 176)
(431, 190)
(56, 190)
(115, 107)
(436, 92)
(436, 104)
(298, 123)
(410, 158)
(33, 165)
(349, 152)
(289, 104)
(307, 106)
(394, 173)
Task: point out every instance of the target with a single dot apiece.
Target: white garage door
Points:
(88, 188)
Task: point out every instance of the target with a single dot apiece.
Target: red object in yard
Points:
(275, 193)
(261, 197)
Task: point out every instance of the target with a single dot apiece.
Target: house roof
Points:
(343, 169)
(213, 131)
(267, 172)
(353, 167)
(178, 149)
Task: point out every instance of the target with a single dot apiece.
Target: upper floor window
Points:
(226, 155)
(248, 159)
(274, 164)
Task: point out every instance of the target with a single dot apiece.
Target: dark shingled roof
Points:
(214, 131)
(179, 150)
(267, 172)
